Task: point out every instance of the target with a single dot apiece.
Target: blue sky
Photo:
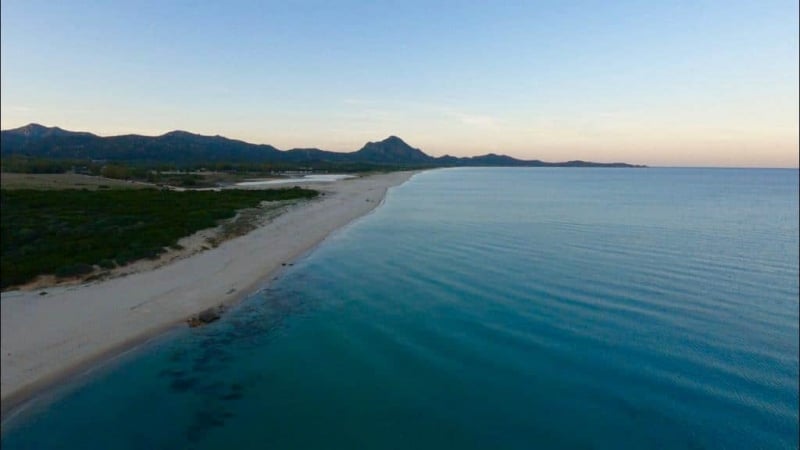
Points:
(661, 83)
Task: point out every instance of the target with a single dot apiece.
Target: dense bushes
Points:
(67, 232)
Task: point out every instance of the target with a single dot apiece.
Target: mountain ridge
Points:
(179, 146)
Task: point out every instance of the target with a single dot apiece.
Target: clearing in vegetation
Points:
(64, 181)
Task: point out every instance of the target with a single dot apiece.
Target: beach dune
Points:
(45, 338)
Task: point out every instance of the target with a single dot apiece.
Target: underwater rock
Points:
(206, 317)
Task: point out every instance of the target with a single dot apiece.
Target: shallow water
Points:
(490, 308)
(319, 178)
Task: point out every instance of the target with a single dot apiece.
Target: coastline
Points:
(48, 339)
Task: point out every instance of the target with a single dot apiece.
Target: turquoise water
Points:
(490, 308)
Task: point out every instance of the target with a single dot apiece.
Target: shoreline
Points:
(52, 339)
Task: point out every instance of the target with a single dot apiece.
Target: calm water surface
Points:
(490, 308)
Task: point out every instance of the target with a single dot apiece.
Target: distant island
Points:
(184, 149)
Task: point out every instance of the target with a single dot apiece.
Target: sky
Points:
(663, 83)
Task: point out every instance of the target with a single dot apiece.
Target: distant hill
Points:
(36, 131)
(392, 150)
(183, 148)
(173, 147)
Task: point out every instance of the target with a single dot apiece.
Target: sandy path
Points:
(46, 338)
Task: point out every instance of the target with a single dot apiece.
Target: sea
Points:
(487, 308)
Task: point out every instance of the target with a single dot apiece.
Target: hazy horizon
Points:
(702, 84)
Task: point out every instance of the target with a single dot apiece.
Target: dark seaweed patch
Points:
(204, 421)
(171, 373)
(182, 384)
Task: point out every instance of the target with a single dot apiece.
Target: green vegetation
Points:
(67, 232)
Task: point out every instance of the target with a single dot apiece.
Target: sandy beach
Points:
(46, 338)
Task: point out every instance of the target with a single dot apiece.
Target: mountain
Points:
(173, 147)
(495, 160)
(36, 131)
(392, 150)
(184, 148)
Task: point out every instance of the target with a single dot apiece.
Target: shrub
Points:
(74, 270)
(63, 232)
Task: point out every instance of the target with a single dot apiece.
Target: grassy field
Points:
(50, 181)
(68, 232)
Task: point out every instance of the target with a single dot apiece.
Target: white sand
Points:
(47, 338)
